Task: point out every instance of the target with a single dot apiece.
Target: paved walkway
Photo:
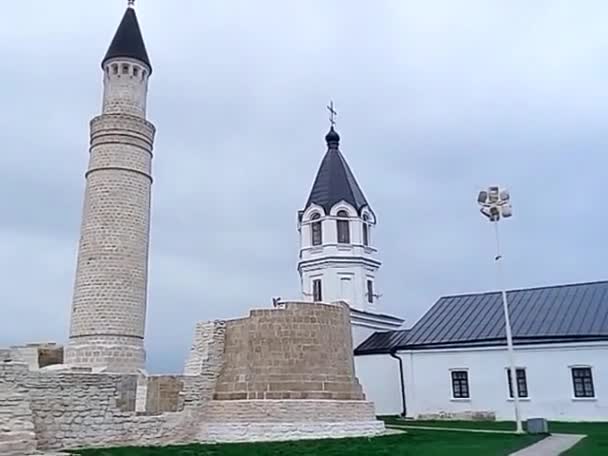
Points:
(554, 445)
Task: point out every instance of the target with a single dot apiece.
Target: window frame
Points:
(525, 388)
(370, 291)
(586, 393)
(316, 230)
(365, 237)
(317, 290)
(461, 396)
(342, 227)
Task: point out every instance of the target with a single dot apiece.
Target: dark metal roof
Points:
(554, 314)
(128, 41)
(335, 181)
(376, 314)
(381, 340)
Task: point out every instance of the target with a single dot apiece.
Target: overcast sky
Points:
(436, 100)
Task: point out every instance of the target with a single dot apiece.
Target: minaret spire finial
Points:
(131, 3)
(332, 114)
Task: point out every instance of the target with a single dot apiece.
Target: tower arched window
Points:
(316, 229)
(365, 229)
(343, 228)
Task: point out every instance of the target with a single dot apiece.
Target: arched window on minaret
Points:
(316, 229)
(365, 229)
(343, 228)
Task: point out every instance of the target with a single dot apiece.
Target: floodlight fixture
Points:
(496, 203)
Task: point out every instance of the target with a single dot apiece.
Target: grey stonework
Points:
(109, 307)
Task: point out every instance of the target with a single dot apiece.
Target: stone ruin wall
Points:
(66, 409)
(288, 373)
(75, 410)
(298, 351)
(277, 357)
(36, 355)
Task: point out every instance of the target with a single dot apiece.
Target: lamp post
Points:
(496, 204)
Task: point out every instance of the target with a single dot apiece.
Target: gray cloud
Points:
(435, 101)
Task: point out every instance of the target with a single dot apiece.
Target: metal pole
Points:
(505, 305)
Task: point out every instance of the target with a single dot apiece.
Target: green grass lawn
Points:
(596, 444)
(414, 443)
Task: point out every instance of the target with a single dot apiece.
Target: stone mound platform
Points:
(298, 351)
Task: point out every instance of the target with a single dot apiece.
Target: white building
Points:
(454, 359)
(337, 260)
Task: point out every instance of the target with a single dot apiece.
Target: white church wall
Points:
(548, 373)
(379, 376)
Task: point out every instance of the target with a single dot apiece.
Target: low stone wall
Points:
(471, 415)
(77, 410)
(50, 356)
(266, 432)
(300, 354)
(282, 411)
(265, 420)
(36, 355)
(17, 435)
(164, 393)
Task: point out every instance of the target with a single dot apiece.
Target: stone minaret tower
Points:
(109, 306)
(338, 260)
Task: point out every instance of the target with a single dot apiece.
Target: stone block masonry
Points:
(71, 409)
(76, 410)
(17, 436)
(299, 351)
(108, 313)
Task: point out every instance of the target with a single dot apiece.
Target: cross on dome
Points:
(332, 114)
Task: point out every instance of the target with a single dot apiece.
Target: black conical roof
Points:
(128, 41)
(335, 181)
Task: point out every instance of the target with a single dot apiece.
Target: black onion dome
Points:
(335, 181)
(332, 137)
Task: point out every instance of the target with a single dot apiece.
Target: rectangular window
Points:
(317, 233)
(370, 291)
(460, 385)
(582, 381)
(317, 295)
(343, 232)
(522, 383)
(346, 289)
(365, 233)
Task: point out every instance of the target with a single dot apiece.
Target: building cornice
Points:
(341, 260)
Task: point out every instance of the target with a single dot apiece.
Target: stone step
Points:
(323, 395)
(17, 436)
(17, 447)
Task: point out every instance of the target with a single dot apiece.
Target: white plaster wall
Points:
(356, 261)
(360, 333)
(379, 376)
(428, 381)
(331, 276)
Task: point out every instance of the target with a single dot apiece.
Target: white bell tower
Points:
(338, 260)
